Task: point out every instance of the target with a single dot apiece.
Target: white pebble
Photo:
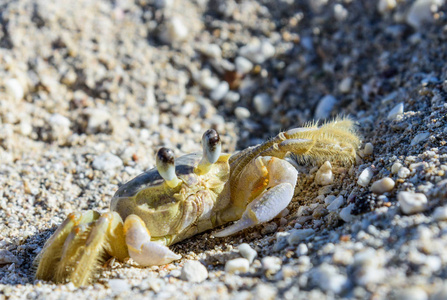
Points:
(324, 107)
(194, 271)
(232, 97)
(440, 213)
(422, 12)
(411, 203)
(302, 250)
(365, 177)
(298, 235)
(258, 52)
(97, 118)
(382, 186)
(396, 111)
(403, 172)
(175, 31)
(208, 82)
(419, 138)
(411, 293)
(345, 213)
(119, 286)
(107, 162)
(263, 103)
(329, 199)
(324, 174)
(247, 252)
(220, 91)
(212, 50)
(340, 12)
(14, 88)
(240, 265)
(336, 204)
(241, 113)
(385, 6)
(243, 65)
(396, 167)
(369, 149)
(271, 264)
(345, 85)
(328, 278)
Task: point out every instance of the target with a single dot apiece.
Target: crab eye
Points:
(165, 162)
(211, 151)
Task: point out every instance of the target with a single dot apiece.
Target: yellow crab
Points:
(192, 194)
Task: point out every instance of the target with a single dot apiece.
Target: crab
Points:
(182, 197)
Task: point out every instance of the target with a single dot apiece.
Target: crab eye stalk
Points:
(165, 162)
(211, 151)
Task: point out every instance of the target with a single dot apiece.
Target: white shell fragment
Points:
(247, 252)
(365, 177)
(382, 186)
(240, 265)
(194, 271)
(324, 175)
(411, 203)
(396, 111)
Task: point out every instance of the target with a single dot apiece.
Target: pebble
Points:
(107, 162)
(263, 103)
(403, 172)
(257, 51)
(329, 199)
(385, 6)
(247, 252)
(345, 85)
(419, 138)
(119, 286)
(421, 11)
(369, 270)
(97, 118)
(271, 264)
(324, 107)
(194, 271)
(329, 279)
(336, 204)
(6, 257)
(382, 186)
(440, 213)
(396, 111)
(396, 167)
(220, 91)
(302, 250)
(340, 12)
(241, 113)
(411, 293)
(60, 126)
(243, 65)
(324, 174)
(345, 213)
(175, 31)
(212, 50)
(365, 177)
(14, 88)
(240, 265)
(298, 235)
(232, 97)
(369, 149)
(411, 203)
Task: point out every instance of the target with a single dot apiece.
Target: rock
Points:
(411, 293)
(421, 11)
(440, 213)
(247, 252)
(298, 235)
(243, 65)
(403, 172)
(419, 138)
(329, 199)
(345, 85)
(14, 88)
(365, 177)
(257, 51)
(411, 203)
(368, 265)
(212, 50)
(369, 149)
(382, 186)
(239, 265)
(396, 111)
(301, 250)
(97, 119)
(324, 107)
(59, 126)
(396, 167)
(324, 174)
(220, 91)
(241, 113)
(174, 31)
(271, 264)
(194, 271)
(7, 257)
(263, 103)
(384, 6)
(119, 286)
(340, 12)
(232, 97)
(336, 204)
(329, 279)
(107, 162)
(345, 213)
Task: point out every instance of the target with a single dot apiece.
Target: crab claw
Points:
(141, 249)
(211, 151)
(165, 162)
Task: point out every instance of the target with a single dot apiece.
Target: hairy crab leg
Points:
(274, 191)
(141, 248)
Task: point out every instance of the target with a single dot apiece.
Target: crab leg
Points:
(141, 248)
(272, 192)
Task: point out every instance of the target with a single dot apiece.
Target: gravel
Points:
(90, 90)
